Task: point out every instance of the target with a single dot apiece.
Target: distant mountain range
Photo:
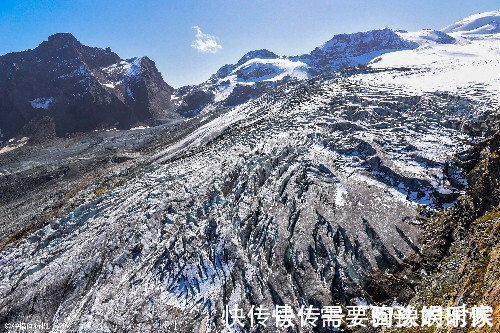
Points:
(62, 86)
(259, 70)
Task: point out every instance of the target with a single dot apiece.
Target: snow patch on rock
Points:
(42, 102)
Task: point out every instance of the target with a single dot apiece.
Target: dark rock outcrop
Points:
(79, 88)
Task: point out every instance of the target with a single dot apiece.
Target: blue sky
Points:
(163, 30)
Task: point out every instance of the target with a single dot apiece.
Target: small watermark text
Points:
(30, 327)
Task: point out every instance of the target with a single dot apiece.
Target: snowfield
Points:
(483, 23)
(42, 102)
(467, 65)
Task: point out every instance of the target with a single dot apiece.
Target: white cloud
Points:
(205, 43)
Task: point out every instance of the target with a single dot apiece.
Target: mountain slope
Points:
(258, 71)
(292, 198)
(77, 88)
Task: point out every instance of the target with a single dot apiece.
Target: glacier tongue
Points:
(294, 197)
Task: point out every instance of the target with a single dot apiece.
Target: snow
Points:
(119, 67)
(129, 93)
(340, 195)
(450, 60)
(483, 23)
(110, 85)
(13, 144)
(81, 71)
(139, 128)
(280, 67)
(367, 57)
(42, 102)
(260, 70)
(275, 144)
(133, 69)
(457, 67)
(426, 37)
(123, 71)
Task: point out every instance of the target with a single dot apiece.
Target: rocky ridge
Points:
(62, 87)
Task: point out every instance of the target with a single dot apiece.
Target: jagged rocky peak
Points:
(67, 46)
(355, 49)
(79, 88)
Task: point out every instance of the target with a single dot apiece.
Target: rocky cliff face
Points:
(461, 248)
(76, 88)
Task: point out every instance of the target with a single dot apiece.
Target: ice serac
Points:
(79, 88)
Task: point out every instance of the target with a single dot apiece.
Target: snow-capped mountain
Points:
(260, 70)
(233, 84)
(451, 60)
(354, 49)
(77, 88)
(484, 23)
